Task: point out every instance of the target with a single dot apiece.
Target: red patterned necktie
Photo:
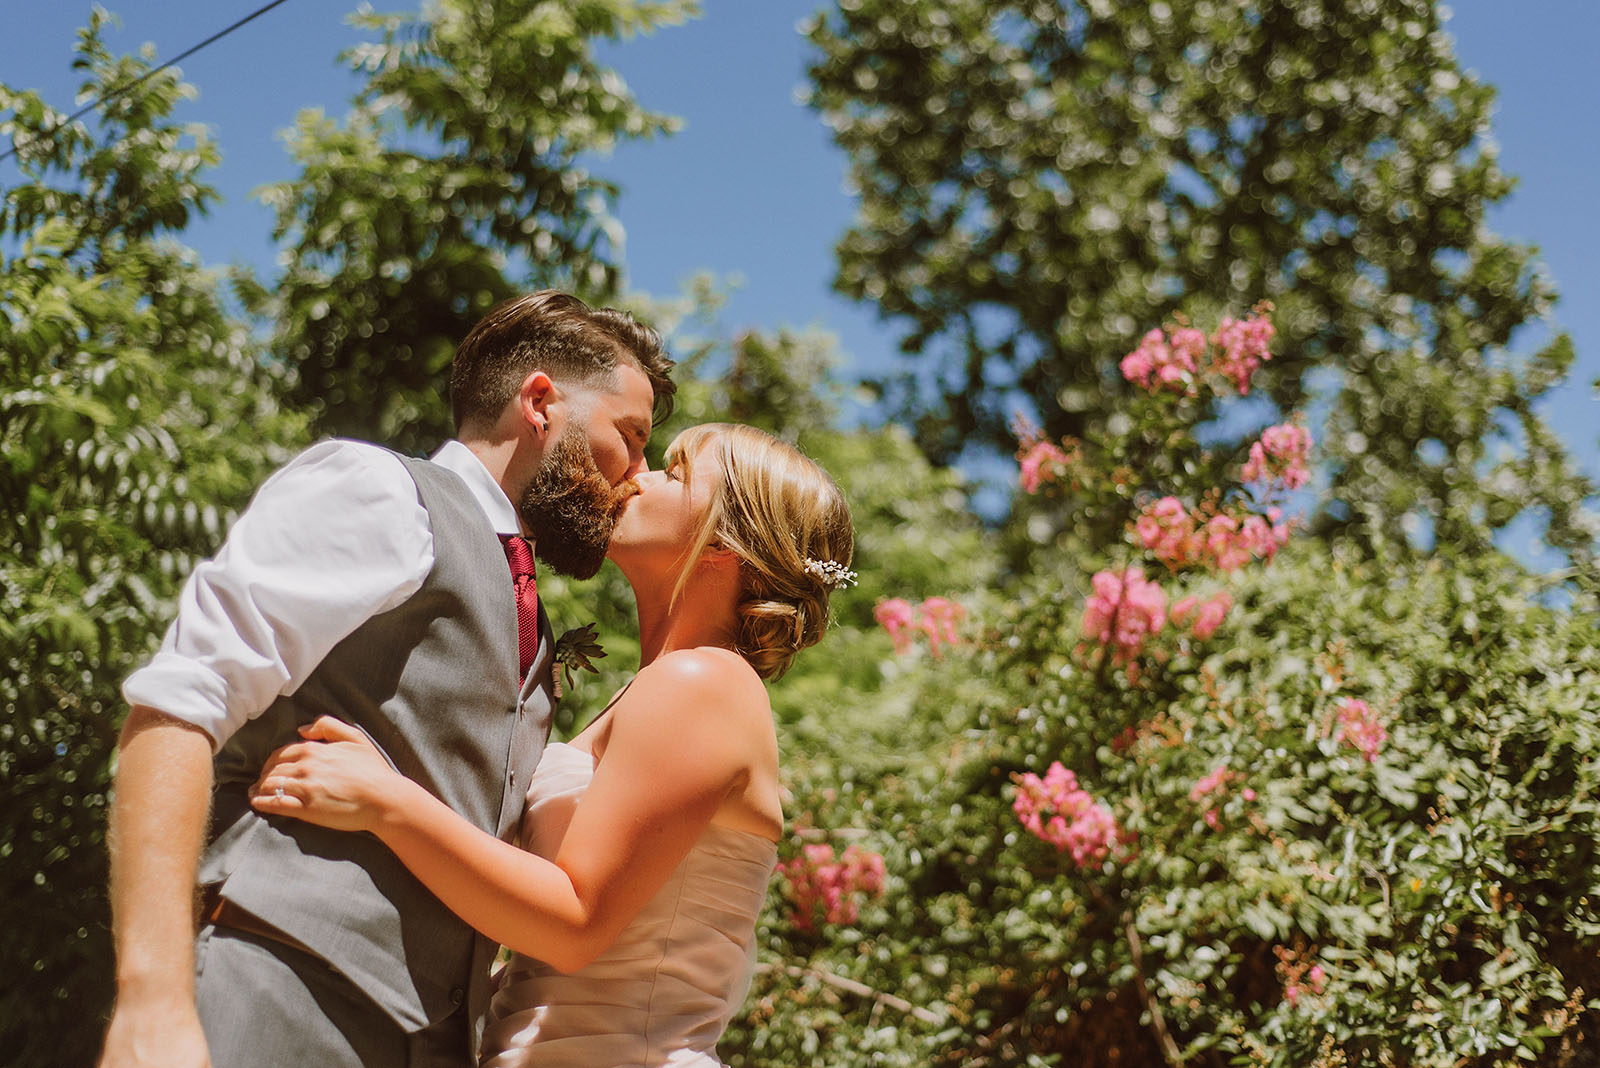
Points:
(520, 557)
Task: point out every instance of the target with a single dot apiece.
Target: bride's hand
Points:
(335, 778)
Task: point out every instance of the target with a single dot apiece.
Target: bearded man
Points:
(398, 595)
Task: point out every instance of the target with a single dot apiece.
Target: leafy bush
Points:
(1357, 824)
(1446, 889)
(135, 413)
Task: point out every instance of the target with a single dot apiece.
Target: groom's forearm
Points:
(158, 825)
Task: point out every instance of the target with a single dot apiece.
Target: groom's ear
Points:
(534, 399)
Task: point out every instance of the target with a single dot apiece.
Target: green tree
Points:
(1039, 181)
(455, 182)
(135, 413)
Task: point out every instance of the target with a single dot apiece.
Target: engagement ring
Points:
(277, 792)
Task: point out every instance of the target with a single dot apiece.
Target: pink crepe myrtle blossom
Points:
(1212, 783)
(1231, 540)
(1359, 727)
(1211, 614)
(895, 616)
(1158, 365)
(1167, 530)
(1123, 610)
(1242, 346)
(939, 616)
(1041, 462)
(1183, 610)
(1189, 347)
(1207, 614)
(824, 889)
(936, 618)
(1228, 551)
(1055, 809)
(1282, 456)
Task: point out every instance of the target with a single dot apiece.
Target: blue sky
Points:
(753, 187)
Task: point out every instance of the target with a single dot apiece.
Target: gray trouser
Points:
(265, 1005)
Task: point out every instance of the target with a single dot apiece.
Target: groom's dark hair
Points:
(560, 335)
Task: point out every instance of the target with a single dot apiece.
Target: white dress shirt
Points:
(331, 540)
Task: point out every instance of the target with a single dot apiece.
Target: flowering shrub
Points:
(1342, 806)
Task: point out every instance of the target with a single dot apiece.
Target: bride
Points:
(646, 844)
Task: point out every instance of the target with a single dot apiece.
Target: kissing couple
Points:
(335, 795)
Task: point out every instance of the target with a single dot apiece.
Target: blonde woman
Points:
(631, 900)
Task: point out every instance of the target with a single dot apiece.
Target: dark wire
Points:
(121, 89)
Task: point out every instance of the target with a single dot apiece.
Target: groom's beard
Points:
(570, 509)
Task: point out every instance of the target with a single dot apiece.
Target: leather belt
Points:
(220, 912)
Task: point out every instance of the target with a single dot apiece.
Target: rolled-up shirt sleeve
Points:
(334, 538)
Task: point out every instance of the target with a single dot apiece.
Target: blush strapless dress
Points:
(662, 994)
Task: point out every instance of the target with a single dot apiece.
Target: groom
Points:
(392, 593)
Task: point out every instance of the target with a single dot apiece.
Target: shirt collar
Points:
(456, 458)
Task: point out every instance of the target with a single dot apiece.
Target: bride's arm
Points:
(682, 737)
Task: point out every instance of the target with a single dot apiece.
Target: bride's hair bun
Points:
(786, 520)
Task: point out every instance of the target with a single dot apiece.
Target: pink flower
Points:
(1137, 365)
(1167, 529)
(895, 616)
(1056, 810)
(1242, 346)
(1181, 611)
(1040, 464)
(939, 618)
(1318, 977)
(1189, 346)
(1123, 610)
(1212, 613)
(1228, 552)
(822, 889)
(1248, 794)
(1157, 365)
(1282, 455)
(1359, 727)
(1217, 780)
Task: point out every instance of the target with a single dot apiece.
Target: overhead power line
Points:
(130, 86)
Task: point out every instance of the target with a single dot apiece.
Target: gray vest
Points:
(434, 684)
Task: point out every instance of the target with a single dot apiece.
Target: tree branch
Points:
(1158, 1023)
(852, 986)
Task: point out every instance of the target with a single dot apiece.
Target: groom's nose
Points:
(637, 465)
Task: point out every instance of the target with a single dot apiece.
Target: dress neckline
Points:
(722, 827)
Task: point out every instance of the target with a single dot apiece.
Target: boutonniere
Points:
(576, 650)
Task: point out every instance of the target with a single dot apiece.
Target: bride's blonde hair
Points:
(778, 511)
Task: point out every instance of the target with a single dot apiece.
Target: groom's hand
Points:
(156, 1030)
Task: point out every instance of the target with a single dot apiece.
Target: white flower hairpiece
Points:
(830, 573)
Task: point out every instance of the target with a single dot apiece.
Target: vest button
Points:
(457, 996)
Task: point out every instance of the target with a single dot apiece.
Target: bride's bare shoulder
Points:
(693, 679)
